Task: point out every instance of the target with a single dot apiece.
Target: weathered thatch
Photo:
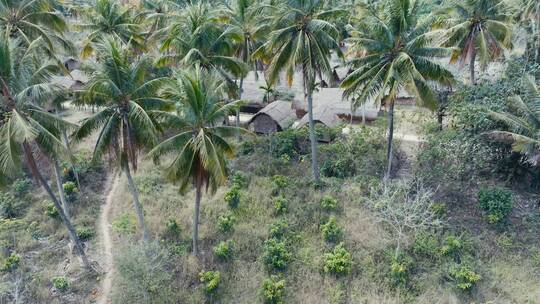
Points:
(74, 82)
(323, 114)
(275, 117)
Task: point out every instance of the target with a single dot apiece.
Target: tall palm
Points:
(303, 41)
(398, 54)
(477, 28)
(529, 14)
(26, 128)
(109, 18)
(120, 86)
(31, 19)
(523, 122)
(199, 147)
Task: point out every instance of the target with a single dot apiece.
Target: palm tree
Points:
(523, 122)
(109, 18)
(477, 28)
(31, 19)
(128, 101)
(529, 15)
(397, 55)
(303, 41)
(198, 146)
(26, 128)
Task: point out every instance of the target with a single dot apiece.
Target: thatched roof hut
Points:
(275, 117)
(74, 82)
(325, 115)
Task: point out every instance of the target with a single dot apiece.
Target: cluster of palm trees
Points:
(180, 66)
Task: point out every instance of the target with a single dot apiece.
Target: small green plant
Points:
(71, 191)
(276, 254)
(232, 197)
(10, 207)
(331, 231)
(211, 280)
(452, 246)
(339, 261)
(279, 182)
(239, 179)
(225, 222)
(224, 250)
(172, 229)
(278, 229)
(11, 262)
(273, 290)
(85, 233)
(51, 211)
(426, 244)
(280, 205)
(464, 277)
(125, 224)
(497, 202)
(400, 269)
(439, 208)
(329, 203)
(20, 186)
(60, 283)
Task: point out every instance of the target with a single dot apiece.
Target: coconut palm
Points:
(529, 15)
(120, 86)
(198, 147)
(109, 18)
(477, 28)
(26, 128)
(395, 53)
(523, 122)
(303, 41)
(31, 19)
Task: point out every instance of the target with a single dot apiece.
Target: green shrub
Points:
(85, 233)
(426, 244)
(51, 211)
(172, 229)
(273, 290)
(60, 283)
(439, 208)
(279, 182)
(452, 246)
(211, 280)
(224, 250)
(239, 179)
(125, 224)
(464, 277)
(329, 203)
(400, 269)
(276, 254)
(280, 205)
(225, 222)
(278, 229)
(20, 186)
(232, 197)
(497, 202)
(71, 191)
(331, 231)
(11, 262)
(339, 261)
(33, 229)
(10, 207)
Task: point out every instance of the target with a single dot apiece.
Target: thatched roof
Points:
(75, 81)
(323, 114)
(280, 111)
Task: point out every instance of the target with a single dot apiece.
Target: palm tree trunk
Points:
(136, 203)
(389, 151)
(471, 67)
(312, 137)
(238, 110)
(65, 220)
(72, 159)
(198, 196)
(60, 187)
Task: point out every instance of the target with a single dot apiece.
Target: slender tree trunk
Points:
(136, 203)
(72, 159)
(71, 230)
(238, 110)
(389, 151)
(312, 137)
(198, 196)
(471, 67)
(61, 193)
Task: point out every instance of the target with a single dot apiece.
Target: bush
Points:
(71, 191)
(280, 205)
(400, 269)
(239, 179)
(60, 283)
(232, 197)
(426, 244)
(51, 211)
(331, 231)
(10, 207)
(339, 261)
(125, 224)
(211, 280)
(224, 250)
(172, 229)
(279, 182)
(225, 222)
(11, 262)
(273, 290)
(497, 202)
(278, 229)
(20, 186)
(276, 254)
(464, 277)
(439, 208)
(329, 203)
(452, 246)
(85, 233)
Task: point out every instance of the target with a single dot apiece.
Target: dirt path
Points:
(105, 234)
